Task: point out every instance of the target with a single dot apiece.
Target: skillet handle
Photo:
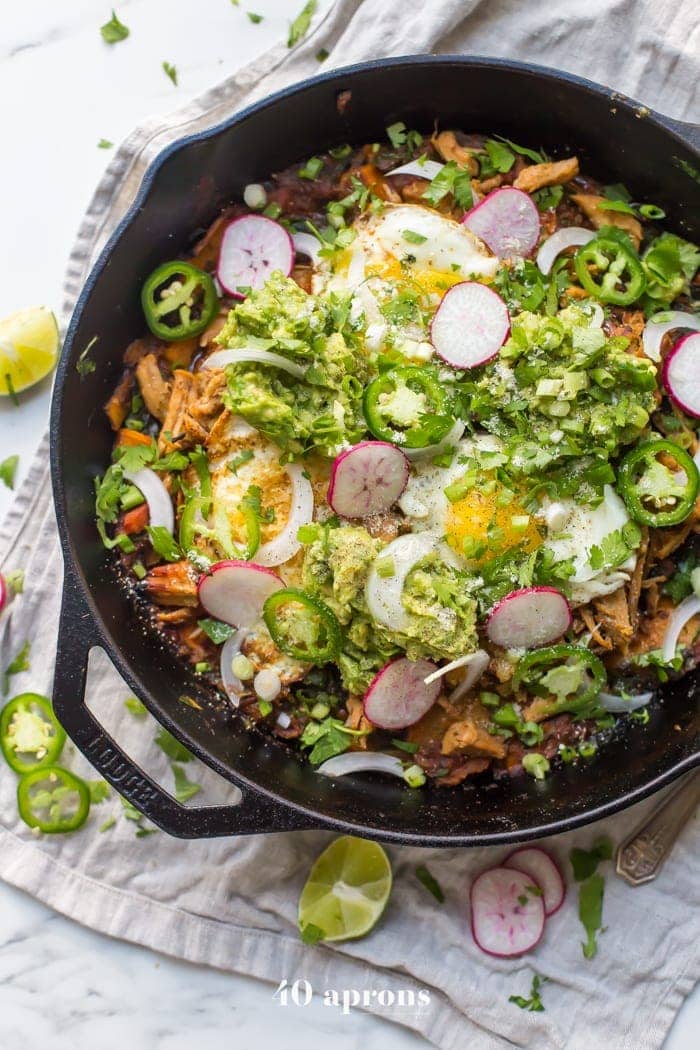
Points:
(690, 133)
(77, 634)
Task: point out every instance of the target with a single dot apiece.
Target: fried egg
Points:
(574, 529)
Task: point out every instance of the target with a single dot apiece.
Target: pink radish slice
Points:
(507, 220)
(507, 919)
(3, 593)
(543, 872)
(681, 374)
(367, 479)
(529, 618)
(235, 591)
(251, 248)
(398, 696)
(470, 326)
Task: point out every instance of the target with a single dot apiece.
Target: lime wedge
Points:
(28, 348)
(346, 891)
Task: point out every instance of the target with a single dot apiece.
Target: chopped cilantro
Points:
(327, 738)
(172, 747)
(170, 71)
(590, 911)
(217, 631)
(584, 862)
(104, 144)
(430, 882)
(322, 54)
(163, 543)
(135, 707)
(255, 19)
(85, 365)
(451, 179)
(534, 1002)
(114, 30)
(414, 238)
(8, 469)
(184, 789)
(99, 790)
(616, 547)
(405, 745)
(300, 26)
(16, 666)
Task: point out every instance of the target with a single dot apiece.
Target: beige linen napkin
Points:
(232, 903)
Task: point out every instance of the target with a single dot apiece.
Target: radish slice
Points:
(361, 762)
(658, 325)
(238, 355)
(252, 247)
(429, 169)
(529, 618)
(470, 326)
(235, 591)
(681, 374)
(398, 696)
(229, 651)
(4, 594)
(160, 505)
(308, 245)
(367, 479)
(620, 705)
(688, 608)
(428, 451)
(568, 237)
(285, 544)
(543, 872)
(501, 924)
(383, 593)
(507, 220)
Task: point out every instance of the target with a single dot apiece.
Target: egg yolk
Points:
(479, 527)
(429, 281)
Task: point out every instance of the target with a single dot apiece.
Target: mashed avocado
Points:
(442, 615)
(560, 390)
(324, 409)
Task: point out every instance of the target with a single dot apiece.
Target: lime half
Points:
(28, 348)
(346, 891)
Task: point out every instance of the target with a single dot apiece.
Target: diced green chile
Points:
(414, 430)
(610, 271)
(30, 734)
(179, 301)
(302, 626)
(535, 664)
(630, 483)
(53, 800)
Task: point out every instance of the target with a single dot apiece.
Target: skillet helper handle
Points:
(690, 133)
(77, 634)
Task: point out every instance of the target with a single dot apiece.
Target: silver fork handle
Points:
(641, 856)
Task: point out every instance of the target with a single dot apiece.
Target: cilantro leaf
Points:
(327, 738)
(451, 179)
(616, 547)
(255, 19)
(536, 156)
(217, 631)
(172, 747)
(584, 862)
(105, 144)
(534, 1002)
(300, 26)
(184, 789)
(396, 133)
(85, 365)
(170, 71)
(679, 586)
(243, 457)
(501, 158)
(99, 791)
(16, 666)
(430, 882)
(114, 30)
(8, 469)
(135, 707)
(590, 911)
(163, 543)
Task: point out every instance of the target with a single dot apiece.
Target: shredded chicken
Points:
(449, 149)
(180, 428)
(634, 590)
(589, 205)
(553, 173)
(155, 390)
(612, 611)
(468, 737)
(173, 584)
(377, 184)
(356, 720)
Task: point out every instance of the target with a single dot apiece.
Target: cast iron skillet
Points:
(617, 140)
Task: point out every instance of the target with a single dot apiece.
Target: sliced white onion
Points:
(383, 593)
(478, 662)
(428, 169)
(307, 244)
(619, 705)
(461, 661)
(658, 325)
(597, 314)
(229, 651)
(451, 438)
(237, 355)
(361, 762)
(160, 505)
(568, 237)
(285, 544)
(283, 720)
(688, 608)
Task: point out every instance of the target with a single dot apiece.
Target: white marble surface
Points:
(62, 90)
